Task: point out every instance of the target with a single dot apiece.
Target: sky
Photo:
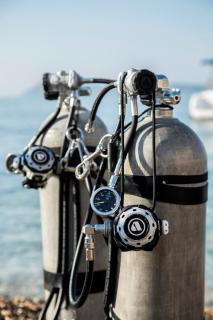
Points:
(102, 38)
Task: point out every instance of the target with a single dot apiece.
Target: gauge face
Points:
(105, 201)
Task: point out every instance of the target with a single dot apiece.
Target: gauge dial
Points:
(105, 201)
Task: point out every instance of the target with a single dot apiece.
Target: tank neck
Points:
(162, 112)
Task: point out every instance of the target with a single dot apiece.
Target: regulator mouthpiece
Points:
(145, 82)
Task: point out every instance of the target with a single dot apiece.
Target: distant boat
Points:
(201, 103)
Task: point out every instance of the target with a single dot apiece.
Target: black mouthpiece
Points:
(48, 94)
(145, 82)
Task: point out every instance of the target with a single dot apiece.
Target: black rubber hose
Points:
(97, 102)
(69, 123)
(43, 312)
(58, 304)
(122, 119)
(74, 301)
(76, 213)
(111, 276)
(97, 80)
(153, 154)
(118, 131)
(48, 124)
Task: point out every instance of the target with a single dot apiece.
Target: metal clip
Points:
(76, 138)
(83, 169)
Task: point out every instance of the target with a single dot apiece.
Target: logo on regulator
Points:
(136, 227)
(40, 157)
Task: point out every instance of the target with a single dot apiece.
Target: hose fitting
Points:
(89, 242)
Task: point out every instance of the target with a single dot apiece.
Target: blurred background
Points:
(96, 38)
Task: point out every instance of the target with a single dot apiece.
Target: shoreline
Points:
(20, 308)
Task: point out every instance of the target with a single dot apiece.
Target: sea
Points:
(20, 229)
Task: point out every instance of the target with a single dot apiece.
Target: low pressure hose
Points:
(96, 104)
(97, 80)
(48, 124)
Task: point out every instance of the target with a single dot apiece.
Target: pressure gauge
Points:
(105, 201)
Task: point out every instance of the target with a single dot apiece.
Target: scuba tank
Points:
(168, 282)
(165, 193)
(48, 163)
(77, 200)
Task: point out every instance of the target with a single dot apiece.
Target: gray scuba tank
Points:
(168, 282)
(50, 220)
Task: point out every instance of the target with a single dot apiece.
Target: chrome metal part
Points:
(162, 81)
(104, 228)
(83, 169)
(89, 127)
(89, 246)
(13, 163)
(89, 231)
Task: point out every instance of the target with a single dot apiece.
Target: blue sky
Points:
(102, 38)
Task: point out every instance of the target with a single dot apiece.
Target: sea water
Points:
(20, 234)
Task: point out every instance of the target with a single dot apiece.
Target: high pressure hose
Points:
(74, 300)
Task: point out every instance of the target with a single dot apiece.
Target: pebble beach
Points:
(20, 308)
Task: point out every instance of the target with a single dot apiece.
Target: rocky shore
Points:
(20, 308)
(209, 314)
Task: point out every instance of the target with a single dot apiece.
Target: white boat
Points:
(201, 103)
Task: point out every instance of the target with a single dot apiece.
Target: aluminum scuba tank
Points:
(168, 282)
(50, 220)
